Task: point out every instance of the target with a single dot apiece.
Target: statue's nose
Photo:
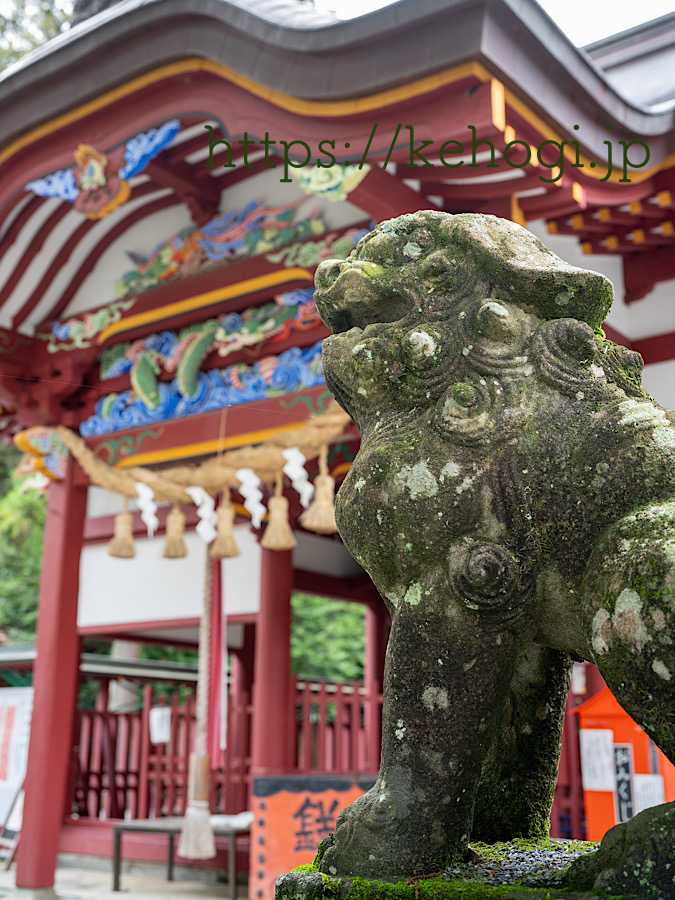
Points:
(328, 272)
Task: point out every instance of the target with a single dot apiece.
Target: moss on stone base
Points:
(302, 884)
(308, 883)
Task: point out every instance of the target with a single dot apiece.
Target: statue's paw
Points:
(352, 850)
(384, 834)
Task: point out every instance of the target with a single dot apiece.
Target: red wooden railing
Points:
(106, 783)
(337, 727)
(118, 773)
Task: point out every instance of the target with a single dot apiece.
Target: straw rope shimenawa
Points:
(196, 837)
(216, 474)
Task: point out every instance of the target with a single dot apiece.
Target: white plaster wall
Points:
(655, 313)
(105, 503)
(98, 288)
(150, 588)
(329, 557)
(658, 380)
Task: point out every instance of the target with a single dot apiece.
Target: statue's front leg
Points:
(450, 661)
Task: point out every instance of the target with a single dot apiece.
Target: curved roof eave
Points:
(290, 48)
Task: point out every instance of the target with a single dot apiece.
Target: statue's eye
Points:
(380, 247)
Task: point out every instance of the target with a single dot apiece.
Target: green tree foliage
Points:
(9, 459)
(22, 518)
(327, 638)
(27, 24)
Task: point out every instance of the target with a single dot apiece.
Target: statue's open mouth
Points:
(353, 294)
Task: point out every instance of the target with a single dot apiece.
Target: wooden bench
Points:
(223, 826)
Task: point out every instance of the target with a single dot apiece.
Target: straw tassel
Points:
(320, 517)
(278, 534)
(122, 543)
(225, 546)
(196, 838)
(174, 545)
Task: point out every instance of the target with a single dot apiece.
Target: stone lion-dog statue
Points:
(513, 502)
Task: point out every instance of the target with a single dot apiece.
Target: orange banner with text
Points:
(292, 814)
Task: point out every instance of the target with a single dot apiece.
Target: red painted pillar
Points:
(241, 664)
(271, 720)
(594, 681)
(55, 679)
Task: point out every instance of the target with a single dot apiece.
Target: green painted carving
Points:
(333, 182)
(192, 358)
(311, 254)
(144, 378)
(114, 449)
(81, 331)
(315, 405)
(514, 502)
(10, 343)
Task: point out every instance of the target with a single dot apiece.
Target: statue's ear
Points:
(522, 269)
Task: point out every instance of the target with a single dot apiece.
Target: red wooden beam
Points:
(61, 259)
(15, 228)
(356, 590)
(383, 196)
(659, 348)
(201, 197)
(97, 252)
(24, 261)
(641, 273)
(196, 436)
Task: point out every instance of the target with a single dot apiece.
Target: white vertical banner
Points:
(16, 707)
(649, 791)
(597, 759)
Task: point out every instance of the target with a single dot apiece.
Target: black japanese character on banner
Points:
(315, 823)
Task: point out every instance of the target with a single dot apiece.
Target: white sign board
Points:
(648, 791)
(160, 724)
(16, 707)
(597, 759)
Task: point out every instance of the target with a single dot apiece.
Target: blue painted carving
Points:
(271, 376)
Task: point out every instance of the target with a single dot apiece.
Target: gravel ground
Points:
(520, 862)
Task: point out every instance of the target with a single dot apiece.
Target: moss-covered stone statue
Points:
(514, 502)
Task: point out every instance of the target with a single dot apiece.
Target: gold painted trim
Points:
(201, 301)
(517, 214)
(203, 448)
(330, 108)
(327, 108)
(498, 102)
(636, 177)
